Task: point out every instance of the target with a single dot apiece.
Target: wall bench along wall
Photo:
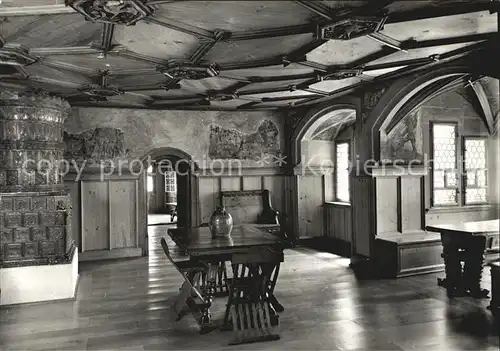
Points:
(402, 246)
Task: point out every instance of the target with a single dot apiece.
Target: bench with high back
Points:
(254, 207)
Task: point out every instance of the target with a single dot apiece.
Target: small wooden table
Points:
(465, 242)
(255, 256)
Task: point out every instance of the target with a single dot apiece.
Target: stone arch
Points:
(399, 94)
(313, 120)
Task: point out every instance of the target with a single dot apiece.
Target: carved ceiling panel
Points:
(154, 40)
(98, 62)
(236, 15)
(463, 24)
(257, 49)
(227, 54)
(53, 31)
(338, 52)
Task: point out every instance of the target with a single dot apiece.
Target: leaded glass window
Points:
(445, 173)
(475, 170)
(170, 182)
(342, 172)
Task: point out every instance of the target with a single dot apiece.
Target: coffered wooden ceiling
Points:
(230, 54)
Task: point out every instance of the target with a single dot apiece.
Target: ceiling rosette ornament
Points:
(343, 74)
(180, 70)
(352, 28)
(100, 93)
(126, 12)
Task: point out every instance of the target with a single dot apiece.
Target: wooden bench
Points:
(254, 207)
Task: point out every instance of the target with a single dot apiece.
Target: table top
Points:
(198, 241)
(473, 228)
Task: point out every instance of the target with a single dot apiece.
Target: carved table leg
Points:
(453, 268)
(473, 267)
(208, 294)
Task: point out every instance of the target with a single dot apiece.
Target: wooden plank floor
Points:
(125, 304)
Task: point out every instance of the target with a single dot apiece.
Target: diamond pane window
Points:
(170, 182)
(475, 168)
(342, 172)
(444, 175)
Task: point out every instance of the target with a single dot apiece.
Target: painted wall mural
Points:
(95, 145)
(228, 143)
(405, 140)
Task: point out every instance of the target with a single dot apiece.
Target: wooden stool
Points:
(250, 308)
(191, 294)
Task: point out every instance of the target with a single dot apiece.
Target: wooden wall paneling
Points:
(208, 196)
(362, 217)
(230, 183)
(95, 215)
(311, 206)
(122, 218)
(348, 224)
(387, 204)
(411, 203)
(252, 183)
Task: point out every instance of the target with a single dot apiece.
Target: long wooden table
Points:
(465, 242)
(255, 257)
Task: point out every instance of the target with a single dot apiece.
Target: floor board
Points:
(125, 304)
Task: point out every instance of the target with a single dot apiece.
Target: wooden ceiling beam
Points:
(452, 9)
(317, 8)
(67, 66)
(273, 61)
(449, 41)
(384, 52)
(75, 50)
(123, 52)
(271, 32)
(205, 46)
(132, 72)
(182, 27)
(35, 10)
(106, 43)
(443, 58)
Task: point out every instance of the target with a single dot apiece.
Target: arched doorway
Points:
(167, 188)
(168, 185)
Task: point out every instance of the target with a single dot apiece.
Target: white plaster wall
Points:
(39, 283)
